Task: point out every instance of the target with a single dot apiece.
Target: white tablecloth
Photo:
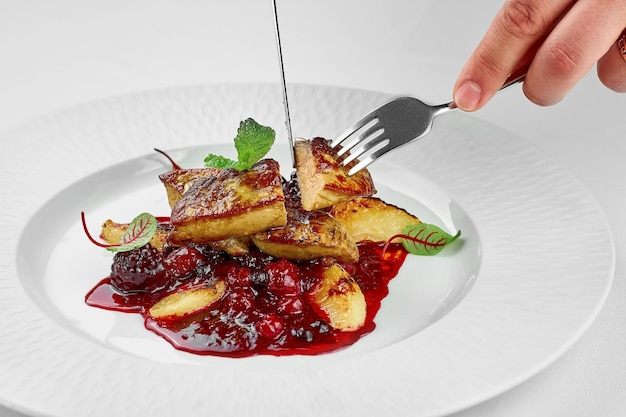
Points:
(62, 53)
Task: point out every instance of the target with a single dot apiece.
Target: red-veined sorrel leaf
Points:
(425, 239)
(139, 232)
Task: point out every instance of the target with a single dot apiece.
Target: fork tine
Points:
(361, 138)
(372, 144)
(363, 163)
(354, 127)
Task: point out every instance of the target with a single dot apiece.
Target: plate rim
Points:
(69, 116)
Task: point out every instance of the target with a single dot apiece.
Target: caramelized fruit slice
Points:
(372, 219)
(340, 298)
(184, 303)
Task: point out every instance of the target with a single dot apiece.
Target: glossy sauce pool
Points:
(251, 319)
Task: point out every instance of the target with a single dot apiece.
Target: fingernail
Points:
(467, 96)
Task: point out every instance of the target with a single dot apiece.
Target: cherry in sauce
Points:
(264, 309)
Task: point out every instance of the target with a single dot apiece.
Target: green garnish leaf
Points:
(425, 239)
(138, 233)
(218, 161)
(253, 142)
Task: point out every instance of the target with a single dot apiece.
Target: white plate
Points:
(526, 280)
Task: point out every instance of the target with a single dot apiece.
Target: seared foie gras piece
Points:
(338, 297)
(370, 218)
(235, 246)
(178, 181)
(307, 235)
(323, 181)
(231, 204)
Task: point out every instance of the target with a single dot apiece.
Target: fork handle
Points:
(515, 77)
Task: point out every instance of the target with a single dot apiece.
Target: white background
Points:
(62, 53)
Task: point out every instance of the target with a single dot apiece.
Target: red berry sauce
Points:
(264, 309)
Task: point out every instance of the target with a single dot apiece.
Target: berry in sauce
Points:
(138, 270)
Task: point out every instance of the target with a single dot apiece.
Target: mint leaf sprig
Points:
(253, 142)
(139, 232)
(423, 239)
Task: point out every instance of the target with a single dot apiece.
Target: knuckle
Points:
(489, 65)
(560, 66)
(612, 79)
(611, 83)
(523, 18)
(563, 61)
(539, 99)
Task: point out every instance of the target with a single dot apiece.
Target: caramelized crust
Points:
(231, 204)
(323, 181)
(178, 181)
(370, 218)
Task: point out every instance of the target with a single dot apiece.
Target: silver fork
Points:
(394, 124)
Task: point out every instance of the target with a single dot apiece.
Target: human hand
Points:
(559, 41)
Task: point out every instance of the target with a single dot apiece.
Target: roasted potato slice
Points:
(323, 181)
(340, 299)
(371, 218)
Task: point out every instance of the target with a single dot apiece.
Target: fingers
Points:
(572, 48)
(612, 66)
(508, 44)
(557, 40)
